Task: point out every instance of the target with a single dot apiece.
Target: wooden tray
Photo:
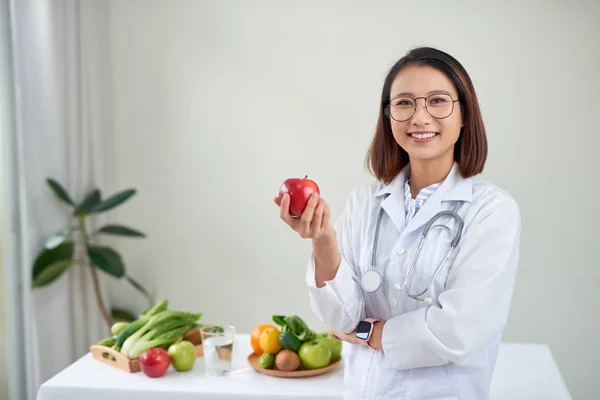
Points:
(101, 353)
(300, 373)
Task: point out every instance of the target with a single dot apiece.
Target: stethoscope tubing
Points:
(460, 224)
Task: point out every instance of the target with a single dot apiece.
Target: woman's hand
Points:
(315, 220)
(314, 224)
(376, 336)
(344, 337)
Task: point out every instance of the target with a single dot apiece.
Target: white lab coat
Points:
(445, 350)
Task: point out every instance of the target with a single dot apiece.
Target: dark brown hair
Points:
(385, 158)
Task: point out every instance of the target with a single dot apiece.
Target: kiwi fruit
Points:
(287, 360)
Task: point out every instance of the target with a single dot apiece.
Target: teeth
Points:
(423, 135)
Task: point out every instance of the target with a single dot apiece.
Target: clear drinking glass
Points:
(217, 344)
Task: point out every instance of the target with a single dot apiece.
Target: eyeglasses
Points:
(403, 108)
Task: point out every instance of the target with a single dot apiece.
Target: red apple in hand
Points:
(299, 190)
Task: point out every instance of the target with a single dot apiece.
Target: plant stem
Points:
(105, 315)
(99, 300)
(141, 289)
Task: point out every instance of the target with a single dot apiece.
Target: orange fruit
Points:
(269, 340)
(255, 337)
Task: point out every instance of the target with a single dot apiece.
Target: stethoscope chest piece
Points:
(370, 281)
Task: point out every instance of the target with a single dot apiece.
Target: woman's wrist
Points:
(377, 335)
(327, 258)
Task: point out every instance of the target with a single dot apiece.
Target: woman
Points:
(429, 145)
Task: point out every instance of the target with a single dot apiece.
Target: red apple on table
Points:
(154, 362)
(299, 190)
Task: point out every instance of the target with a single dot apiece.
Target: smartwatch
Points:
(365, 330)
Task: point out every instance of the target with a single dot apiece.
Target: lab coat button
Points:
(396, 287)
(400, 251)
(394, 302)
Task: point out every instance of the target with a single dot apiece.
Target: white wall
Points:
(217, 102)
(3, 358)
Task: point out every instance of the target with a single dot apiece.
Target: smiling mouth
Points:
(423, 135)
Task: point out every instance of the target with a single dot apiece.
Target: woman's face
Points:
(421, 135)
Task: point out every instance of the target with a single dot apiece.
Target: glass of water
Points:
(217, 344)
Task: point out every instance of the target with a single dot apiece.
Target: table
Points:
(523, 371)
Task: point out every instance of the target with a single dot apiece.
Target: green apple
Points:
(182, 355)
(334, 344)
(314, 354)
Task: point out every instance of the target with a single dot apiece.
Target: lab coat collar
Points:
(395, 184)
(393, 202)
(454, 188)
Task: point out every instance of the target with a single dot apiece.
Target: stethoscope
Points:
(371, 280)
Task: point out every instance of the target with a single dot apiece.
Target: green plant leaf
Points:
(113, 201)
(107, 260)
(59, 191)
(59, 236)
(86, 205)
(47, 257)
(137, 285)
(51, 273)
(120, 230)
(119, 314)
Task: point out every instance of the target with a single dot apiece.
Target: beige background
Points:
(217, 102)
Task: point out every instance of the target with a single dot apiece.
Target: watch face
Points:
(363, 330)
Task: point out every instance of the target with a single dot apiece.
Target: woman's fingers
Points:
(307, 216)
(313, 220)
(284, 211)
(326, 217)
(332, 333)
(318, 217)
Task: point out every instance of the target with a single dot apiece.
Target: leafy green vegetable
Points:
(161, 306)
(296, 326)
(156, 338)
(108, 342)
(289, 341)
(128, 331)
(158, 330)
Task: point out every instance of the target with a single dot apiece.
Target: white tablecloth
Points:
(523, 371)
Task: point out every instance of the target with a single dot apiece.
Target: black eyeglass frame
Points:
(387, 112)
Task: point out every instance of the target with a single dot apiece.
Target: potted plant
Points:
(76, 245)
